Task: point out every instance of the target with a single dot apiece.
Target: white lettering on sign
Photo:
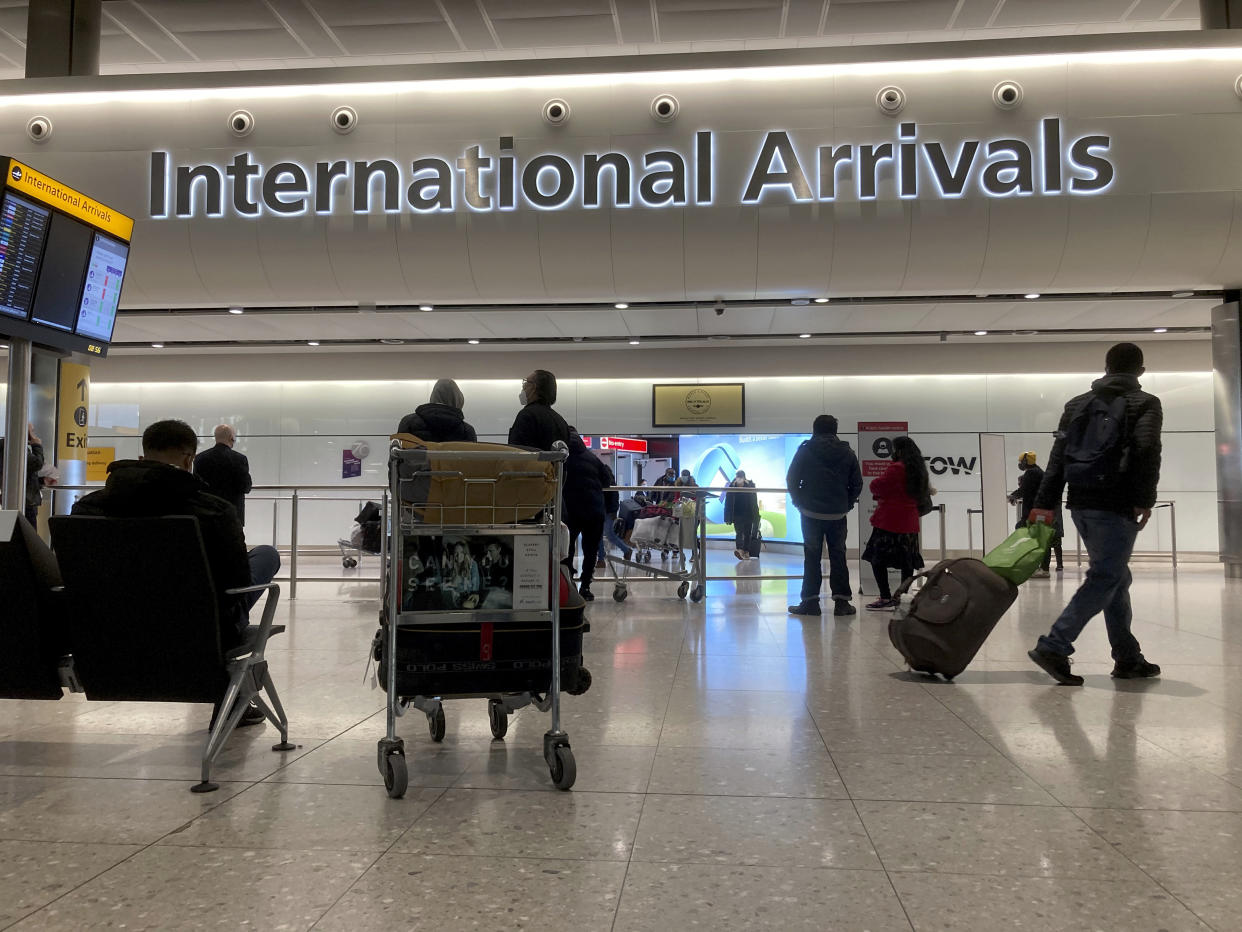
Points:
(1044, 164)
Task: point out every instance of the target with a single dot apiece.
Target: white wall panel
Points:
(294, 432)
(1172, 119)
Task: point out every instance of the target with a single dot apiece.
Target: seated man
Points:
(160, 483)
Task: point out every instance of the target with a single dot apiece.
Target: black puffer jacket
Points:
(437, 423)
(1135, 486)
(537, 425)
(147, 489)
(586, 477)
(824, 476)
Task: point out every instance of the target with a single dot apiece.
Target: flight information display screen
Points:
(102, 292)
(60, 275)
(23, 229)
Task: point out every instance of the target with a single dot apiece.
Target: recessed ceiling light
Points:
(981, 333)
(1161, 330)
(473, 342)
(799, 302)
(312, 342)
(157, 346)
(389, 341)
(633, 342)
(821, 300)
(1031, 296)
(426, 307)
(620, 305)
(236, 310)
(804, 336)
(1183, 294)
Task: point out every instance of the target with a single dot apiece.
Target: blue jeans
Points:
(610, 535)
(814, 532)
(1109, 539)
(264, 563)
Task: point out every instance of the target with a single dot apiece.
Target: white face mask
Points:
(522, 399)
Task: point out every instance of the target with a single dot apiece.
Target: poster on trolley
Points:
(449, 573)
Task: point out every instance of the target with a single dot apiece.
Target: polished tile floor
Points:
(738, 769)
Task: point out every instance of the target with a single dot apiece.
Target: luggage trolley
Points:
(460, 637)
(668, 530)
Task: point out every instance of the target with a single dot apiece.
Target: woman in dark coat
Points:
(586, 477)
(895, 523)
(741, 509)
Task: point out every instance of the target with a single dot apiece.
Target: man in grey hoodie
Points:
(441, 419)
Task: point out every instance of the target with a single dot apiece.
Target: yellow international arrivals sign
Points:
(47, 190)
(689, 405)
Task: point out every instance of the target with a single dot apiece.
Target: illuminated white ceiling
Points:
(215, 35)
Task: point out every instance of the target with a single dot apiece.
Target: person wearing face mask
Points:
(160, 483)
(668, 479)
(538, 425)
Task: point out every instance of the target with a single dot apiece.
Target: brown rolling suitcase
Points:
(951, 616)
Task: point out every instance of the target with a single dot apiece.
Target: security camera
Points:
(344, 119)
(241, 123)
(664, 108)
(556, 111)
(891, 100)
(719, 308)
(1007, 95)
(39, 128)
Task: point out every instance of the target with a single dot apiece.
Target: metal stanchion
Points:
(293, 548)
(970, 528)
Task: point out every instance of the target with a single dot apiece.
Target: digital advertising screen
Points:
(60, 275)
(101, 294)
(23, 229)
(714, 459)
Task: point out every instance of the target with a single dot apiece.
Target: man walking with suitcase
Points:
(1108, 451)
(824, 482)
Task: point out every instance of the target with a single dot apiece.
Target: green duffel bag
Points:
(1021, 553)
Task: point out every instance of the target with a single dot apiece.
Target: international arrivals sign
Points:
(1046, 162)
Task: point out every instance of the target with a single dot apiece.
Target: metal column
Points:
(62, 38)
(16, 419)
(1227, 391)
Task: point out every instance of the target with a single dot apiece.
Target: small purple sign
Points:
(351, 466)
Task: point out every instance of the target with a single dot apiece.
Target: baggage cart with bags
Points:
(364, 538)
(668, 529)
(473, 594)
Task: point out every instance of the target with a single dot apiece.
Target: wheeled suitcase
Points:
(951, 616)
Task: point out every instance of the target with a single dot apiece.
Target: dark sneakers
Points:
(842, 607)
(1056, 666)
(805, 608)
(1135, 669)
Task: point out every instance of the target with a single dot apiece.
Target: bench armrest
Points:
(259, 642)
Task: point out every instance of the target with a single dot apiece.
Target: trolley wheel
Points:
(563, 769)
(682, 590)
(696, 594)
(499, 719)
(435, 723)
(619, 593)
(349, 563)
(396, 776)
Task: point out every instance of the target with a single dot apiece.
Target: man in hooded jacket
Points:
(441, 419)
(537, 425)
(824, 481)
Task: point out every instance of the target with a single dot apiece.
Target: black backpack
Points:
(1094, 449)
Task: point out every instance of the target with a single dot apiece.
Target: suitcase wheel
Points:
(682, 590)
(498, 718)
